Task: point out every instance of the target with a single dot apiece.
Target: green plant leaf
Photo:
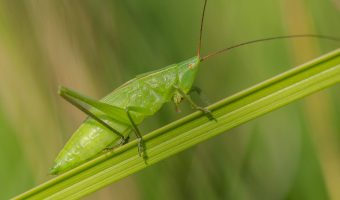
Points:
(193, 129)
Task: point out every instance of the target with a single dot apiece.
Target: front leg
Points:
(200, 94)
(195, 89)
(205, 111)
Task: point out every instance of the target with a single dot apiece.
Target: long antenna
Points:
(201, 31)
(267, 39)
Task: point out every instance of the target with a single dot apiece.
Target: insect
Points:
(112, 119)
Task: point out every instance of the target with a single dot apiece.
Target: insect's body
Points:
(148, 92)
(144, 95)
(112, 119)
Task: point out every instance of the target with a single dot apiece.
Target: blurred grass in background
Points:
(95, 46)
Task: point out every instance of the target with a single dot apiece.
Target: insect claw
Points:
(141, 151)
(125, 140)
(122, 141)
(108, 149)
(208, 113)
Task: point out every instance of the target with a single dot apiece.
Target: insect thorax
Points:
(187, 71)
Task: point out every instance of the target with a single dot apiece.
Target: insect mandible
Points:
(112, 119)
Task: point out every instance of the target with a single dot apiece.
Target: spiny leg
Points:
(200, 94)
(205, 111)
(195, 89)
(68, 96)
(141, 149)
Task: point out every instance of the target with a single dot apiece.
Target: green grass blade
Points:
(193, 129)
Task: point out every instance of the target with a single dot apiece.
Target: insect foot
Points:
(108, 149)
(124, 140)
(207, 113)
(141, 149)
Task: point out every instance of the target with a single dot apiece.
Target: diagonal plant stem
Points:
(193, 129)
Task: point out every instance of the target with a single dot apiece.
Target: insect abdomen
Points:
(147, 94)
(90, 139)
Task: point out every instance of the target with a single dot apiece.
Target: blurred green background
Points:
(95, 46)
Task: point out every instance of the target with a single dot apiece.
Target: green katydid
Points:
(112, 119)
